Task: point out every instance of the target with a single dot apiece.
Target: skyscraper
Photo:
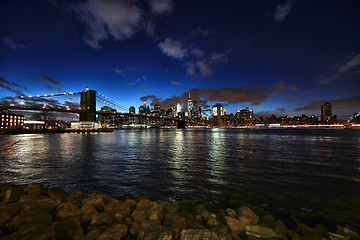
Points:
(178, 109)
(326, 112)
(189, 106)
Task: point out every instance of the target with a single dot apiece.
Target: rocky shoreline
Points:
(34, 212)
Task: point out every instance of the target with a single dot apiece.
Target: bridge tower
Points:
(88, 106)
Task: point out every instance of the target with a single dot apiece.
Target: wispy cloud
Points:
(336, 103)
(143, 87)
(352, 63)
(117, 19)
(176, 83)
(173, 48)
(200, 31)
(13, 45)
(138, 80)
(50, 80)
(12, 86)
(161, 6)
(283, 86)
(282, 11)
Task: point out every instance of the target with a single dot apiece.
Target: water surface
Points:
(312, 171)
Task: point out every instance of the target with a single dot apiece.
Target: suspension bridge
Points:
(86, 108)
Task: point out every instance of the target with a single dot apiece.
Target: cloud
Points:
(190, 69)
(104, 18)
(50, 88)
(143, 78)
(11, 44)
(119, 19)
(143, 87)
(283, 86)
(337, 103)
(50, 80)
(352, 63)
(283, 10)
(173, 48)
(204, 95)
(204, 68)
(201, 31)
(6, 84)
(176, 83)
(161, 6)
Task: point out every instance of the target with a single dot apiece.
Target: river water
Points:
(312, 172)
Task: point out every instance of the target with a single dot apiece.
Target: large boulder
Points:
(260, 232)
(66, 210)
(13, 194)
(237, 225)
(95, 199)
(209, 218)
(114, 232)
(101, 221)
(7, 212)
(154, 233)
(86, 213)
(231, 212)
(36, 189)
(56, 193)
(249, 214)
(205, 234)
(69, 229)
(32, 218)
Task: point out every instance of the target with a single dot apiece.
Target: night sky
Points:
(285, 57)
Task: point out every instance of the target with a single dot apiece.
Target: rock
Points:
(249, 214)
(209, 218)
(231, 212)
(36, 189)
(56, 193)
(13, 194)
(114, 232)
(92, 235)
(86, 213)
(334, 236)
(32, 218)
(130, 203)
(145, 204)
(75, 197)
(312, 233)
(35, 232)
(69, 229)
(155, 215)
(37, 201)
(174, 221)
(101, 221)
(154, 233)
(260, 232)
(203, 234)
(170, 207)
(347, 232)
(95, 199)
(119, 207)
(237, 225)
(139, 214)
(136, 226)
(7, 212)
(66, 210)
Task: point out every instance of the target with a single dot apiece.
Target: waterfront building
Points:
(10, 120)
(108, 109)
(142, 109)
(326, 112)
(190, 106)
(244, 116)
(217, 115)
(173, 110)
(178, 109)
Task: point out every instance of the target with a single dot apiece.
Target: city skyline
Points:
(281, 57)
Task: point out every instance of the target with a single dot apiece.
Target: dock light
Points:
(22, 103)
(12, 105)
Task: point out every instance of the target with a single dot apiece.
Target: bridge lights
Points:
(12, 105)
(45, 95)
(22, 103)
(30, 96)
(38, 95)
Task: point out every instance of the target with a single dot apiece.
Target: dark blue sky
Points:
(283, 57)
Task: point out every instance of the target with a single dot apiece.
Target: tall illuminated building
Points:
(178, 109)
(217, 114)
(189, 106)
(326, 112)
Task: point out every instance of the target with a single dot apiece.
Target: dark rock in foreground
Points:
(33, 212)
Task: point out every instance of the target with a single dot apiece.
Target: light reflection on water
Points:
(265, 168)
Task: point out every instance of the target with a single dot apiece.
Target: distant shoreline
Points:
(47, 131)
